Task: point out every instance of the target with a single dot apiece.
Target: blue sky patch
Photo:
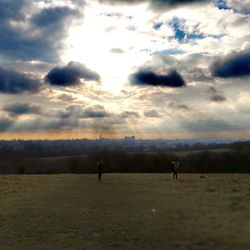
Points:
(179, 32)
(157, 26)
(221, 4)
(172, 51)
(182, 36)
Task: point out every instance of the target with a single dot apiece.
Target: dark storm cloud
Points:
(218, 98)
(182, 107)
(72, 117)
(77, 2)
(91, 113)
(79, 112)
(146, 77)
(157, 4)
(11, 37)
(129, 114)
(13, 82)
(11, 9)
(208, 125)
(5, 123)
(44, 124)
(95, 111)
(216, 95)
(35, 36)
(121, 1)
(54, 17)
(70, 75)
(151, 114)
(21, 109)
(234, 65)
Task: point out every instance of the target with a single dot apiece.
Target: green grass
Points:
(126, 211)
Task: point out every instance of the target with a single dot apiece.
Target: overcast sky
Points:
(149, 68)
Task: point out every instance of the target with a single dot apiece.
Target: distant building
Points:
(129, 138)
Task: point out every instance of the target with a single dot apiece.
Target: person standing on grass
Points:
(175, 168)
(100, 170)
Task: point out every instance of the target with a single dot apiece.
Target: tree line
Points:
(231, 161)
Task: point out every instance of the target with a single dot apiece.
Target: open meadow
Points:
(126, 211)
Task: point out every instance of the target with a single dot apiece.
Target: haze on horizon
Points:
(149, 68)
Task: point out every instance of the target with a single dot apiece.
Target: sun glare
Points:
(111, 54)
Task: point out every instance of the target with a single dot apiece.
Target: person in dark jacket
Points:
(175, 168)
(100, 170)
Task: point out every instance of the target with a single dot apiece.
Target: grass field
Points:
(126, 211)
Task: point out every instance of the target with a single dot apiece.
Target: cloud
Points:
(22, 109)
(197, 74)
(182, 107)
(74, 116)
(146, 77)
(117, 51)
(66, 98)
(212, 90)
(237, 6)
(5, 123)
(233, 65)
(44, 124)
(211, 124)
(30, 33)
(129, 114)
(151, 114)
(53, 17)
(91, 119)
(218, 98)
(13, 82)
(92, 113)
(183, 33)
(71, 75)
(12, 9)
(79, 112)
(157, 4)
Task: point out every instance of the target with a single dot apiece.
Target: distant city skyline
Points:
(76, 135)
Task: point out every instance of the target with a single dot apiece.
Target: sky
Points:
(156, 69)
